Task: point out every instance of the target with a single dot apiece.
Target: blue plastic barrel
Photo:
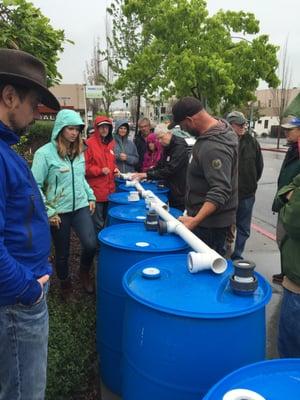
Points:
(147, 186)
(119, 198)
(121, 246)
(131, 213)
(183, 331)
(272, 380)
(118, 182)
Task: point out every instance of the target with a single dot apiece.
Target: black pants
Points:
(214, 237)
(81, 221)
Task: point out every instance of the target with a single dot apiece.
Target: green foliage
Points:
(71, 356)
(38, 134)
(24, 27)
(176, 48)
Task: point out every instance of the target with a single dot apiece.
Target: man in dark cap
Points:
(250, 170)
(24, 234)
(211, 198)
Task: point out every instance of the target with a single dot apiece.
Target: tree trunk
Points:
(137, 115)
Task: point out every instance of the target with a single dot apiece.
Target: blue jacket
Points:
(24, 229)
(61, 181)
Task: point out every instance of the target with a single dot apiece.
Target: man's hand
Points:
(105, 170)
(43, 279)
(92, 206)
(289, 195)
(117, 172)
(139, 176)
(189, 222)
(55, 221)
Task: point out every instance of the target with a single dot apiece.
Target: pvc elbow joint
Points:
(201, 261)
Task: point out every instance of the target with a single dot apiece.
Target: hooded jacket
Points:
(213, 175)
(24, 229)
(124, 145)
(290, 218)
(141, 146)
(289, 169)
(100, 154)
(151, 158)
(172, 169)
(61, 181)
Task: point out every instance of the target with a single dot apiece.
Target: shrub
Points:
(72, 361)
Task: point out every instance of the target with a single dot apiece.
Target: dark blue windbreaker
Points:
(24, 228)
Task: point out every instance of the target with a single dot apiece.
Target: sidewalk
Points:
(264, 252)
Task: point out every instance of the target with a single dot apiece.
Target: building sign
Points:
(93, 92)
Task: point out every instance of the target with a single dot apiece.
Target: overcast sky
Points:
(83, 22)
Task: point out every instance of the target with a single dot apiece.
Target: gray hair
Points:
(161, 129)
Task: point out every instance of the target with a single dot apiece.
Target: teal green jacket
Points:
(61, 181)
(290, 218)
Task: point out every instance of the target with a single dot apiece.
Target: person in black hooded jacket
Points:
(172, 166)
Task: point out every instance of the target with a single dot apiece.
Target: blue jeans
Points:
(289, 326)
(23, 350)
(82, 223)
(243, 226)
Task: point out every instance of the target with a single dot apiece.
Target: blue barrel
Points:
(147, 186)
(121, 246)
(119, 198)
(273, 380)
(183, 331)
(132, 213)
(118, 182)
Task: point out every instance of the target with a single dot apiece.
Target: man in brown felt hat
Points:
(211, 195)
(24, 234)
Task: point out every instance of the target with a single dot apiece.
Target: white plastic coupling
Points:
(201, 261)
(130, 183)
(242, 394)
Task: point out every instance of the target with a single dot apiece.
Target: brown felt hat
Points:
(20, 68)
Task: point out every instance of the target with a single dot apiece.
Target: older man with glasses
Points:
(250, 168)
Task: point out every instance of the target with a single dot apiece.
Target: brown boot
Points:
(66, 289)
(86, 281)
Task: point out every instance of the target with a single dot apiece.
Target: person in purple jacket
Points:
(24, 234)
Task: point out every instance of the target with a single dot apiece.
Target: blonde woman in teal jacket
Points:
(59, 170)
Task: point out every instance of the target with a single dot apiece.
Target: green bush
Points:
(72, 360)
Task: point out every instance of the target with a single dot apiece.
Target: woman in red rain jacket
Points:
(101, 167)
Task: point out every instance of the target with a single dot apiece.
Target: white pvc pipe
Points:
(148, 195)
(203, 257)
(242, 394)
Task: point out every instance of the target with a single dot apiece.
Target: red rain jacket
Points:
(100, 154)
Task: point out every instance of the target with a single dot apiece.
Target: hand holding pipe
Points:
(203, 257)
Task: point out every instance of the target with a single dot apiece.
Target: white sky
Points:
(83, 22)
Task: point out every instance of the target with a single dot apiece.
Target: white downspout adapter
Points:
(203, 257)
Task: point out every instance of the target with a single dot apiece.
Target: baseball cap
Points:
(292, 123)
(105, 123)
(185, 107)
(236, 117)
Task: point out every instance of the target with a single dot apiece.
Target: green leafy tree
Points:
(187, 52)
(24, 27)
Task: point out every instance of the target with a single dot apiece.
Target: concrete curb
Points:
(275, 150)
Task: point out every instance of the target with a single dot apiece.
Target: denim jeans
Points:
(214, 237)
(100, 215)
(81, 221)
(243, 226)
(23, 350)
(289, 326)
